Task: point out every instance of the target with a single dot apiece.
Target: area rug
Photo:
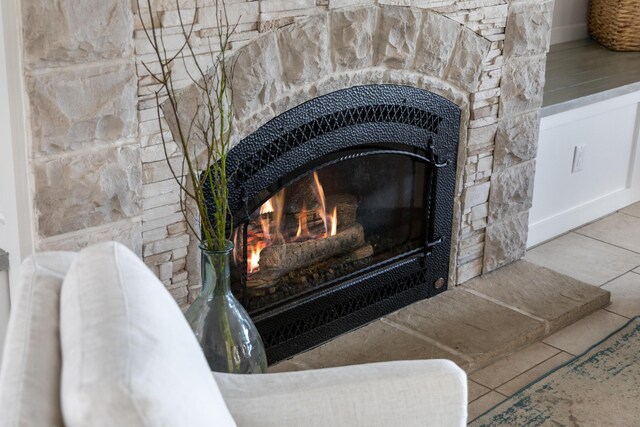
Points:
(600, 387)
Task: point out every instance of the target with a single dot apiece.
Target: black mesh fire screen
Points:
(342, 212)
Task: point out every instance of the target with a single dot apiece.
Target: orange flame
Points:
(267, 207)
(303, 229)
(322, 209)
(334, 221)
(254, 257)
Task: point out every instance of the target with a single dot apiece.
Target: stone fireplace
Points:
(485, 57)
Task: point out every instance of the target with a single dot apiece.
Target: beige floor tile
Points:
(475, 390)
(483, 404)
(618, 229)
(637, 270)
(513, 365)
(625, 295)
(509, 388)
(633, 210)
(581, 335)
(583, 258)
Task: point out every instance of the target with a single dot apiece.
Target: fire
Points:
(267, 207)
(268, 231)
(322, 210)
(303, 228)
(254, 257)
(334, 221)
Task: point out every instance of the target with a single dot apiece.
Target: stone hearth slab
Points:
(375, 342)
(474, 324)
(480, 329)
(557, 299)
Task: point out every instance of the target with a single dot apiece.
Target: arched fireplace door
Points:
(342, 212)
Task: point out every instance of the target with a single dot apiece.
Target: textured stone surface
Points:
(70, 109)
(466, 63)
(516, 140)
(522, 85)
(528, 29)
(126, 232)
(74, 31)
(351, 38)
(80, 191)
(505, 241)
(376, 342)
(558, 299)
(511, 191)
(474, 326)
(396, 36)
(258, 73)
(435, 44)
(303, 51)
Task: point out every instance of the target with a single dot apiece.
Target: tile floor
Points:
(605, 253)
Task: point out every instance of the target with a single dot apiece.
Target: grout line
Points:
(628, 214)
(524, 372)
(427, 339)
(613, 312)
(547, 325)
(608, 243)
(617, 277)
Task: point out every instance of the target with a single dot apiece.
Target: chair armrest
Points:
(399, 394)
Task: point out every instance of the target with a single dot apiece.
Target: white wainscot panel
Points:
(610, 175)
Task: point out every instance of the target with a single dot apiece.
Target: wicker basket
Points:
(616, 24)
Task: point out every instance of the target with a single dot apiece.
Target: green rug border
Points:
(557, 368)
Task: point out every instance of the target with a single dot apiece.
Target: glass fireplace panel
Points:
(348, 215)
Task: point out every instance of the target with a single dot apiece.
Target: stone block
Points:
(85, 190)
(396, 37)
(164, 245)
(558, 299)
(466, 67)
(505, 241)
(435, 44)
(528, 29)
(129, 233)
(257, 80)
(516, 140)
(304, 51)
(522, 85)
(351, 38)
(82, 107)
(71, 31)
(476, 195)
(376, 342)
(511, 191)
(479, 329)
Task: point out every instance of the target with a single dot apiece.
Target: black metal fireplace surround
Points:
(385, 157)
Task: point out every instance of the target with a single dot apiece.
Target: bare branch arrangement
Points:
(205, 136)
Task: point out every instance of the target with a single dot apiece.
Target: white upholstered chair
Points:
(95, 339)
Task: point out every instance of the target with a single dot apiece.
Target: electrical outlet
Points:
(578, 158)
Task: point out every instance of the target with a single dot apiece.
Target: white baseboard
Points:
(548, 228)
(569, 33)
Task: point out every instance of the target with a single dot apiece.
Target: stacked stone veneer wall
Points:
(96, 152)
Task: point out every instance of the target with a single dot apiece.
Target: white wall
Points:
(15, 213)
(569, 20)
(610, 178)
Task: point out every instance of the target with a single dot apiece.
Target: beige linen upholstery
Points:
(30, 374)
(409, 393)
(130, 358)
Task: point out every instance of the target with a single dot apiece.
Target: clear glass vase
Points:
(227, 335)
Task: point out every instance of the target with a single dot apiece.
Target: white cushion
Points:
(129, 356)
(30, 375)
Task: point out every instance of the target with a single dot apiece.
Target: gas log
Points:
(289, 256)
